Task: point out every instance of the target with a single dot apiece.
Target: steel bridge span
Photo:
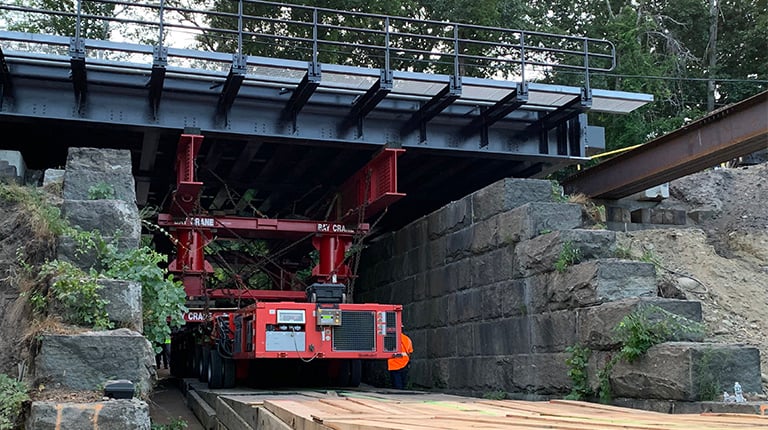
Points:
(283, 132)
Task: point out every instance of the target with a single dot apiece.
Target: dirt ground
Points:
(722, 260)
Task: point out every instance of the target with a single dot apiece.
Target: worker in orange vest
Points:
(398, 365)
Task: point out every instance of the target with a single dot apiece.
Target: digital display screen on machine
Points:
(293, 316)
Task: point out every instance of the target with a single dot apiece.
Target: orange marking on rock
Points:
(59, 408)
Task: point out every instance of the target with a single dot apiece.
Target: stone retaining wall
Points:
(488, 311)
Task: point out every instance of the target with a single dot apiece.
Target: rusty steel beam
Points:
(727, 133)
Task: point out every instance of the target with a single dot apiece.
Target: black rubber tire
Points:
(355, 373)
(338, 373)
(215, 370)
(196, 357)
(230, 373)
(205, 359)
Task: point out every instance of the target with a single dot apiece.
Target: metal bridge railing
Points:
(318, 35)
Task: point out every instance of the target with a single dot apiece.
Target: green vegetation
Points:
(569, 256)
(623, 252)
(12, 394)
(707, 384)
(177, 424)
(101, 191)
(649, 257)
(75, 291)
(162, 297)
(637, 332)
(577, 371)
(495, 395)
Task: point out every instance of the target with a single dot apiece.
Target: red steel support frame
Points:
(372, 189)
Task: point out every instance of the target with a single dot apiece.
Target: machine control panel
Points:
(328, 317)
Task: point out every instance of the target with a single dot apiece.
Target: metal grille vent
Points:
(357, 332)
(390, 340)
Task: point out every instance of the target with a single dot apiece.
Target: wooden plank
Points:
(295, 414)
(414, 412)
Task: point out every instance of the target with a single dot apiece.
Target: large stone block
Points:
(85, 361)
(507, 194)
(14, 160)
(459, 245)
(593, 283)
(452, 217)
(411, 236)
(124, 303)
(596, 324)
(533, 219)
(468, 305)
(111, 218)
(492, 267)
(552, 331)
(544, 373)
(504, 336)
(515, 298)
(119, 414)
(485, 235)
(541, 253)
(686, 370)
(480, 374)
(89, 167)
(442, 342)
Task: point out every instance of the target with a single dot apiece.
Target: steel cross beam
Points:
(725, 134)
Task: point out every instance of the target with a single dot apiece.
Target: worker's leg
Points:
(397, 379)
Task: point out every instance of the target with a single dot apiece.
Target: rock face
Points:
(86, 361)
(497, 286)
(99, 196)
(114, 415)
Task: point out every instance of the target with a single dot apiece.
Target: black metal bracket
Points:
(367, 102)
(432, 108)
(564, 113)
(79, 77)
(301, 94)
(490, 115)
(232, 85)
(157, 78)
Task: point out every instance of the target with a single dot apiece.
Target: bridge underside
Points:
(280, 137)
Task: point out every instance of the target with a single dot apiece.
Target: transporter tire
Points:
(355, 373)
(205, 360)
(230, 372)
(215, 370)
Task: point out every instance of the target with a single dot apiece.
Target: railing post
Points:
(455, 84)
(240, 28)
(162, 23)
(314, 37)
(386, 46)
(587, 89)
(522, 57)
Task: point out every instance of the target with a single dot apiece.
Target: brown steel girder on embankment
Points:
(727, 133)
